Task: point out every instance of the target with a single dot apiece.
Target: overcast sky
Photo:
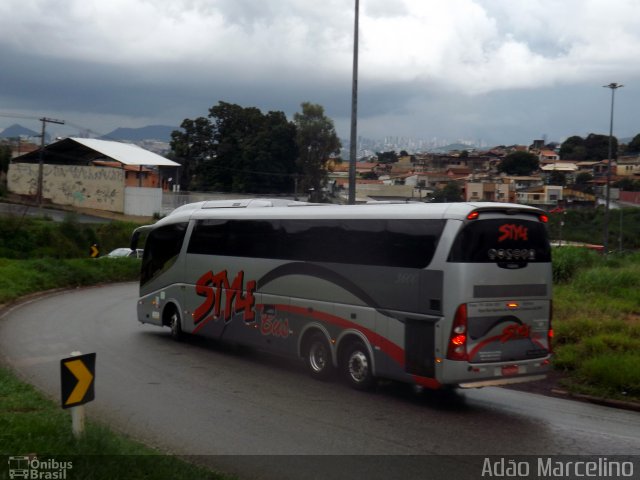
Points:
(501, 71)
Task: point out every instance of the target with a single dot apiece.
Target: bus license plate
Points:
(510, 370)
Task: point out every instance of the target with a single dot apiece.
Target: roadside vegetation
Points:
(585, 225)
(25, 237)
(33, 425)
(597, 322)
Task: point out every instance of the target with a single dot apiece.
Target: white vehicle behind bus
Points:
(436, 295)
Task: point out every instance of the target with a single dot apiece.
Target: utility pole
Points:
(605, 241)
(354, 112)
(44, 121)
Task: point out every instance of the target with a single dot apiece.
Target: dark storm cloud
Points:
(495, 69)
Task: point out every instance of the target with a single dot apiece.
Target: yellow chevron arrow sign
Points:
(77, 376)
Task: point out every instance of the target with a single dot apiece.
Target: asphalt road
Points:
(262, 417)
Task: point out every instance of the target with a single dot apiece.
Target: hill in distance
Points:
(450, 148)
(15, 131)
(151, 132)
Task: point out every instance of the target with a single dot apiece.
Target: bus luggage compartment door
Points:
(420, 346)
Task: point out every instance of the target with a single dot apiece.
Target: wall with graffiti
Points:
(89, 187)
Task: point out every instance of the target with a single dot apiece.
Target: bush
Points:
(23, 238)
(568, 260)
(616, 374)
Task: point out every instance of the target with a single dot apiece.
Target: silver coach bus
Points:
(436, 295)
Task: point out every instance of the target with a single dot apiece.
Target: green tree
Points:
(634, 145)
(270, 156)
(387, 157)
(594, 147)
(573, 148)
(234, 130)
(598, 146)
(317, 141)
(583, 182)
(451, 192)
(519, 163)
(558, 178)
(237, 149)
(191, 147)
(628, 185)
(5, 158)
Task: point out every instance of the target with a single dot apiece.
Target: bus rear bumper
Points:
(475, 375)
(496, 382)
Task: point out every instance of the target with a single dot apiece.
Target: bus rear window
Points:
(501, 240)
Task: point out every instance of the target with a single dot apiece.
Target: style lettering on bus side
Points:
(212, 286)
(511, 231)
(271, 326)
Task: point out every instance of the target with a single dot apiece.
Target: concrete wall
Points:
(142, 201)
(100, 188)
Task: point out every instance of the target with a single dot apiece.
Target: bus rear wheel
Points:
(357, 366)
(318, 357)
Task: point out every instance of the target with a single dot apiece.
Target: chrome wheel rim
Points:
(358, 366)
(318, 357)
(175, 325)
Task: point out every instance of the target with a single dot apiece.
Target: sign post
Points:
(77, 374)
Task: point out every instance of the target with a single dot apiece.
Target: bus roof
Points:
(279, 208)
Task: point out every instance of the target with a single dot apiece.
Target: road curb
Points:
(607, 402)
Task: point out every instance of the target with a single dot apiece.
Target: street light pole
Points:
(613, 86)
(354, 112)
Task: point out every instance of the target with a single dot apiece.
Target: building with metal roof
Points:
(93, 173)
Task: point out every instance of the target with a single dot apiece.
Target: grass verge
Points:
(32, 425)
(597, 323)
(22, 277)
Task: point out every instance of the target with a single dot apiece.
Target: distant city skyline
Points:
(366, 146)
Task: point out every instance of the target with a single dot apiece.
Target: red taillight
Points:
(544, 218)
(457, 349)
(473, 215)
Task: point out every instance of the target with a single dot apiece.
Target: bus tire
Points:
(175, 324)
(318, 357)
(357, 366)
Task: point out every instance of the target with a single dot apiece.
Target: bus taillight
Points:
(457, 349)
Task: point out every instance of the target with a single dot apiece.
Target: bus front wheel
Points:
(357, 366)
(175, 324)
(318, 357)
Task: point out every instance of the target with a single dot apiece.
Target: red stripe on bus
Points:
(482, 344)
(426, 382)
(486, 341)
(389, 348)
